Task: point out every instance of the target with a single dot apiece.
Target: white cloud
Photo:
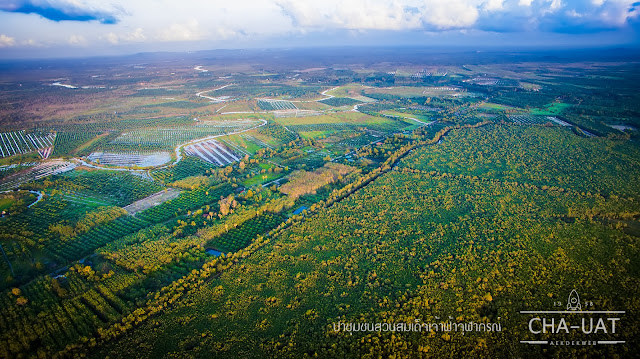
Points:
(494, 5)
(32, 43)
(7, 41)
(574, 13)
(136, 36)
(189, 31)
(112, 38)
(450, 14)
(152, 23)
(555, 5)
(352, 15)
(77, 40)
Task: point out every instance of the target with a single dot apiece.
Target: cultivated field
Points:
(130, 159)
(19, 142)
(212, 151)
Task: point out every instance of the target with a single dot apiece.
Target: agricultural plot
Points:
(339, 101)
(257, 141)
(96, 238)
(36, 172)
(238, 148)
(130, 159)
(152, 254)
(412, 91)
(119, 188)
(359, 139)
(8, 170)
(323, 127)
(384, 126)
(58, 320)
(152, 201)
(276, 105)
(185, 201)
(278, 132)
(552, 109)
(240, 237)
(484, 81)
(212, 151)
(158, 138)
(532, 120)
(188, 167)
(410, 116)
(19, 142)
(559, 121)
(298, 113)
(66, 142)
(352, 91)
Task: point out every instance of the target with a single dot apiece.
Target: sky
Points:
(63, 28)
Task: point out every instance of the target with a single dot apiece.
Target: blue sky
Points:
(53, 28)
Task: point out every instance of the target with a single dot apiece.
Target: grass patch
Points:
(315, 134)
(6, 203)
(554, 108)
(261, 178)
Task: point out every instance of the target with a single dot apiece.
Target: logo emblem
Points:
(574, 301)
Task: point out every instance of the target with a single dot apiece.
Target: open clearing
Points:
(353, 91)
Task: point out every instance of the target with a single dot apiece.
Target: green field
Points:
(555, 108)
(409, 91)
(353, 91)
(408, 115)
(262, 178)
(315, 134)
(6, 203)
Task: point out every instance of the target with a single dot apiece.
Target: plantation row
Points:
(41, 170)
(357, 140)
(130, 158)
(235, 147)
(586, 167)
(276, 105)
(95, 238)
(212, 151)
(69, 141)
(340, 101)
(117, 187)
(186, 201)
(17, 142)
(167, 137)
(100, 125)
(150, 139)
(530, 119)
(341, 126)
(188, 167)
(258, 142)
(238, 238)
(382, 127)
(277, 131)
(150, 250)
(22, 327)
